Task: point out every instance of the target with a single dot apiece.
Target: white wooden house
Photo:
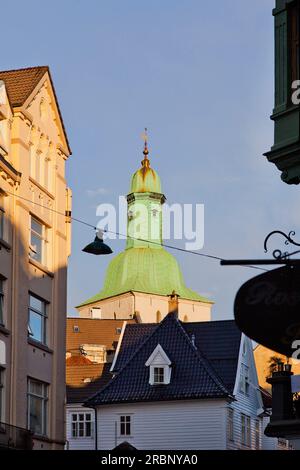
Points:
(181, 385)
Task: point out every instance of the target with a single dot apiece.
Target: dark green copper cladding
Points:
(285, 153)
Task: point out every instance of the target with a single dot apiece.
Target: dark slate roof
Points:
(132, 339)
(219, 342)
(192, 375)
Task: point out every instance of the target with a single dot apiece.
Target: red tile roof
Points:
(21, 83)
(90, 331)
(78, 361)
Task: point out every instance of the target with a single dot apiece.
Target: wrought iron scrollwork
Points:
(278, 254)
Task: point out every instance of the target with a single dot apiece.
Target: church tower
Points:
(140, 280)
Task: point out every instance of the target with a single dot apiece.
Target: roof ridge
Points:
(40, 67)
(204, 361)
(129, 360)
(169, 317)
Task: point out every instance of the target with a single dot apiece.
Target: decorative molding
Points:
(8, 172)
(41, 188)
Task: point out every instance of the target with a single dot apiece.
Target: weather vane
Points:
(145, 139)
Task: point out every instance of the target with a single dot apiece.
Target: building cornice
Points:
(8, 172)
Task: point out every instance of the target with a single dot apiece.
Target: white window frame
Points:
(44, 317)
(43, 236)
(244, 379)
(245, 430)
(44, 398)
(127, 420)
(230, 427)
(159, 375)
(75, 425)
(159, 360)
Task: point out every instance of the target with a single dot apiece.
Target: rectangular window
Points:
(37, 320)
(246, 430)
(38, 241)
(125, 425)
(244, 379)
(2, 301)
(37, 405)
(159, 375)
(81, 425)
(230, 425)
(1, 393)
(257, 434)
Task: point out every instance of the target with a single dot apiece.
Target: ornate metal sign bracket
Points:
(279, 257)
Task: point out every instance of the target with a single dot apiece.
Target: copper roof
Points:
(84, 380)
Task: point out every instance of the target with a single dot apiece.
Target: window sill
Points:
(43, 438)
(4, 330)
(42, 188)
(39, 345)
(5, 245)
(41, 267)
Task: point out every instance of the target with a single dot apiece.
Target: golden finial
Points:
(145, 162)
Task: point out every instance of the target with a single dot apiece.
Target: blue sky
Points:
(199, 75)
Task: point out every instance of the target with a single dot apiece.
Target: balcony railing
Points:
(12, 437)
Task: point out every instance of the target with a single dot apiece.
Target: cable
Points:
(204, 255)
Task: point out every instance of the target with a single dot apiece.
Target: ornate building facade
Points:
(34, 249)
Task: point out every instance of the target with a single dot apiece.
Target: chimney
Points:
(173, 303)
(282, 398)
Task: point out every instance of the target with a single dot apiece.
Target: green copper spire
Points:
(145, 200)
(145, 266)
(145, 179)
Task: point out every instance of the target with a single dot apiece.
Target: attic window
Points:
(159, 367)
(118, 331)
(76, 329)
(158, 375)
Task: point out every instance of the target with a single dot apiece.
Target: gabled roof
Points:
(79, 368)
(218, 341)
(20, 83)
(192, 375)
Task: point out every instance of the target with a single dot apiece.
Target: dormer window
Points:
(159, 367)
(158, 375)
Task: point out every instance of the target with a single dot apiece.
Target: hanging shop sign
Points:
(267, 309)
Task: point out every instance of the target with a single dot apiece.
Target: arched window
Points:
(158, 316)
